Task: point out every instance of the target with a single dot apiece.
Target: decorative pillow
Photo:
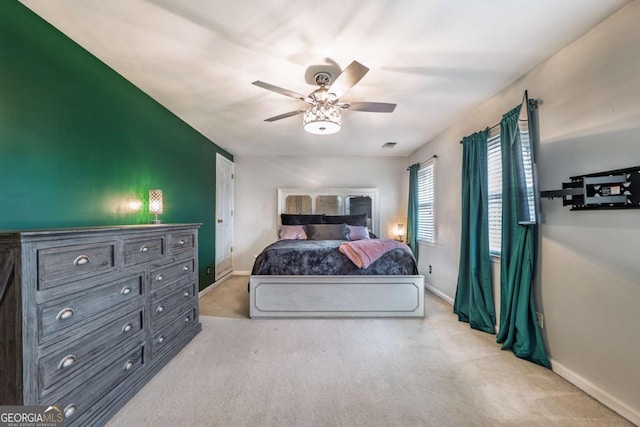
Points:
(360, 219)
(300, 219)
(292, 232)
(357, 232)
(327, 231)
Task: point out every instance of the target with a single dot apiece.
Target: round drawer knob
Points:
(127, 365)
(144, 248)
(69, 410)
(181, 242)
(160, 309)
(187, 293)
(126, 290)
(160, 339)
(65, 313)
(127, 327)
(67, 361)
(187, 319)
(185, 268)
(159, 277)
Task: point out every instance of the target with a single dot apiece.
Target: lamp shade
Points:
(322, 119)
(155, 202)
(400, 230)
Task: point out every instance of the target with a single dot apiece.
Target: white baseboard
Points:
(596, 392)
(438, 293)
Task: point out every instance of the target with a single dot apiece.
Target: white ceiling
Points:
(436, 59)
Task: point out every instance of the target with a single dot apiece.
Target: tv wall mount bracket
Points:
(614, 189)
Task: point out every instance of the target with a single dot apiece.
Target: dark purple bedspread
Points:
(322, 257)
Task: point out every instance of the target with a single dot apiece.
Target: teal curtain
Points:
(519, 329)
(412, 211)
(474, 294)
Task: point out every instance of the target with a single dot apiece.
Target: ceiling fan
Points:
(323, 116)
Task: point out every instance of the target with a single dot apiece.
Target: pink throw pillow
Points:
(292, 232)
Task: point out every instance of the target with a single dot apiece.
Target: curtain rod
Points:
(536, 102)
(430, 158)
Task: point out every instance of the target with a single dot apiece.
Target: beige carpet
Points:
(230, 299)
(351, 372)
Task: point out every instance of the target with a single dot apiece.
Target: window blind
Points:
(527, 199)
(494, 175)
(426, 205)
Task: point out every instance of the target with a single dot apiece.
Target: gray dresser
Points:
(89, 315)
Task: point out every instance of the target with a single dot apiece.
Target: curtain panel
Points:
(519, 330)
(412, 210)
(474, 294)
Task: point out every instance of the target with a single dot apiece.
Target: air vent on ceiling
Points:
(389, 144)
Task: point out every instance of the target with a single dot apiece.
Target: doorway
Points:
(224, 217)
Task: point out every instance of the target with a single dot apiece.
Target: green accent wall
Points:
(78, 142)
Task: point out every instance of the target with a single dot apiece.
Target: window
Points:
(426, 206)
(526, 204)
(527, 200)
(494, 174)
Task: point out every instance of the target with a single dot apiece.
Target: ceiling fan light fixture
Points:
(322, 119)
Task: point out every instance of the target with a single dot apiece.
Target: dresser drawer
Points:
(163, 310)
(80, 356)
(181, 242)
(142, 250)
(172, 272)
(166, 336)
(181, 286)
(64, 313)
(118, 366)
(63, 264)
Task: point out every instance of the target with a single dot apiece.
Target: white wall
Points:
(258, 179)
(588, 286)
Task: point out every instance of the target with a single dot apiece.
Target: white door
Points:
(224, 216)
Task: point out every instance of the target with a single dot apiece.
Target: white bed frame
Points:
(336, 296)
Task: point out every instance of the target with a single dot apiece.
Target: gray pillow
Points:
(327, 231)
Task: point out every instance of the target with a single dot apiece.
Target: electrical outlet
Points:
(208, 270)
(540, 319)
(429, 269)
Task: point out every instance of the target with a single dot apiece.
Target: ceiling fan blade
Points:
(280, 90)
(348, 78)
(284, 116)
(372, 107)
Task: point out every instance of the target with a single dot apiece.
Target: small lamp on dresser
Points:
(155, 205)
(400, 232)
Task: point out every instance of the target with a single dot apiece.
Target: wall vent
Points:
(389, 144)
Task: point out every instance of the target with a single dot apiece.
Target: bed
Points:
(315, 276)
